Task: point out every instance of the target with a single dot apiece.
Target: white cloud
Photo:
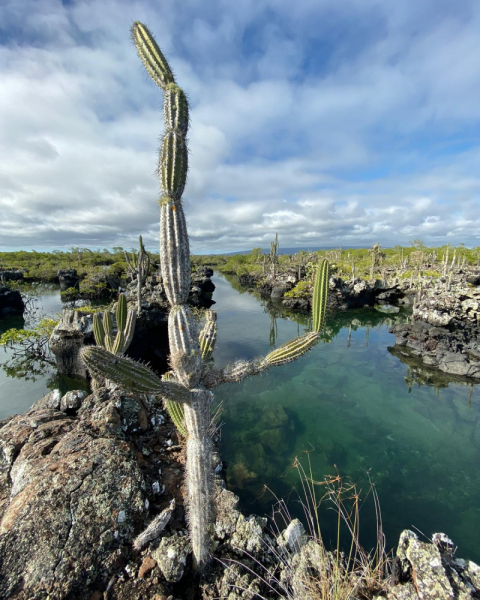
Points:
(331, 123)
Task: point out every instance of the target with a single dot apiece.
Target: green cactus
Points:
(186, 391)
(319, 298)
(175, 409)
(138, 267)
(103, 328)
(208, 335)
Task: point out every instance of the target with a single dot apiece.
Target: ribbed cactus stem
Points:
(175, 109)
(319, 298)
(129, 328)
(121, 313)
(107, 323)
(199, 474)
(208, 335)
(173, 164)
(185, 356)
(151, 55)
(174, 251)
(98, 330)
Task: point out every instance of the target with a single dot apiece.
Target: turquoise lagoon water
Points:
(359, 411)
(350, 401)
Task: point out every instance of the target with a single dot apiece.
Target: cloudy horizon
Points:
(331, 123)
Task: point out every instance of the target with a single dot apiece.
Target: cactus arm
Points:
(129, 328)
(208, 335)
(119, 342)
(320, 293)
(98, 331)
(175, 409)
(234, 372)
(177, 414)
(131, 375)
(108, 329)
(286, 352)
(151, 55)
(292, 350)
(121, 312)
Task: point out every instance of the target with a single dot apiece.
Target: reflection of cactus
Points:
(103, 329)
(139, 266)
(193, 376)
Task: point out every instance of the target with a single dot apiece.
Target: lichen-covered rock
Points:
(429, 571)
(293, 538)
(171, 556)
(248, 534)
(70, 498)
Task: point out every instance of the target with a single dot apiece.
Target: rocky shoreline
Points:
(445, 331)
(81, 476)
(445, 328)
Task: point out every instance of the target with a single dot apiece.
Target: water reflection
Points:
(363, 409)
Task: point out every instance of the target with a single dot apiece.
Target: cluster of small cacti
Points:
(125, 321)
(138, 267)
(186, 389)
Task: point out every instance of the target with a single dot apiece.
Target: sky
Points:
(332, 122)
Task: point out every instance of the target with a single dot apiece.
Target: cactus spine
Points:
(139, 267)
(188, 387)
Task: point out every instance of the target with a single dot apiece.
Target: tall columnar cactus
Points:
(139, 267)
(190, 383)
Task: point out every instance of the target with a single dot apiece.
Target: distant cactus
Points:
(139, 267)
(188, 386)
(273, 256)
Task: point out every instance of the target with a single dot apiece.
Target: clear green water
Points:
(350, 401)
(354, 405)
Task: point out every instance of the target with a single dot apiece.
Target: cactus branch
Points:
(151, 55)
(208, 335)
(131, 375)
